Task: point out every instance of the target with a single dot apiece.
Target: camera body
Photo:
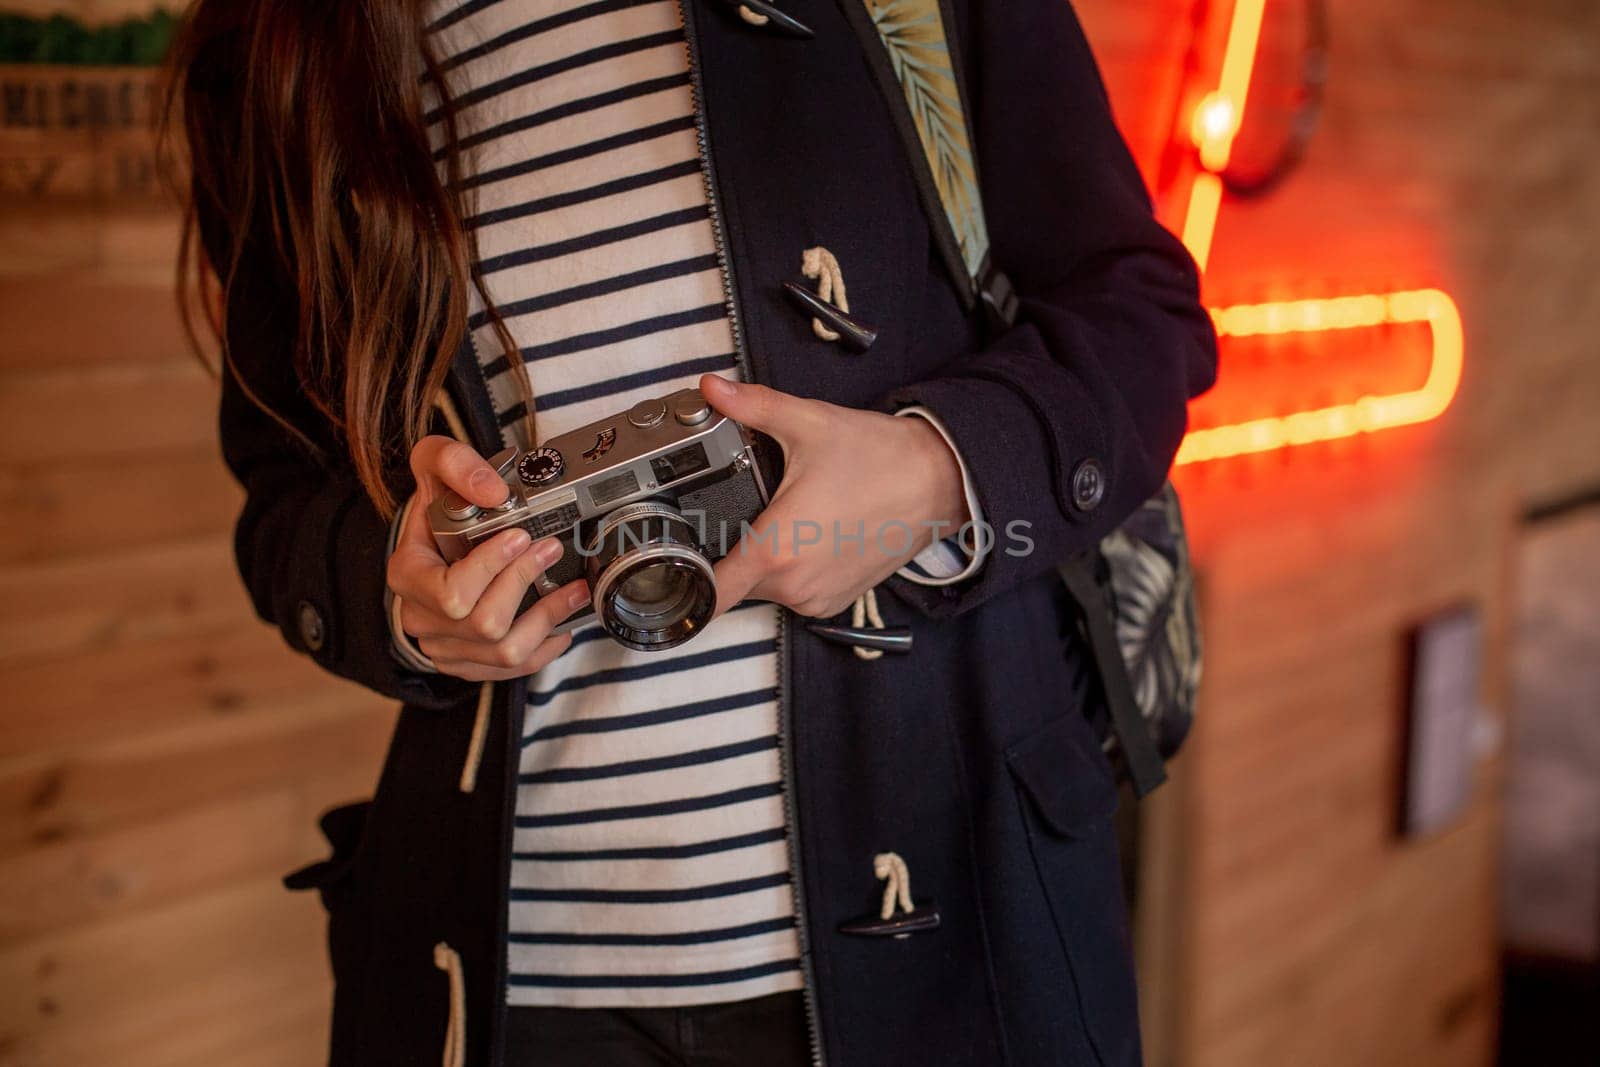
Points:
(643, 502)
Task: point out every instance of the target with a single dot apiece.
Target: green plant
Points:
(62, 39)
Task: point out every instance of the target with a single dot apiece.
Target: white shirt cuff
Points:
(952, 559)
(405, 650)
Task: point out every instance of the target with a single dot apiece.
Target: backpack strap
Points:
(917, 72)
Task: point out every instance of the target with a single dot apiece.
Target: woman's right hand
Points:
(463, 615)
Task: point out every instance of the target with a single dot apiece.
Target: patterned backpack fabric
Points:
(1135, 590)
(1157, 625)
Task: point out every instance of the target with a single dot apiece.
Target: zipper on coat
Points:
(713, 203)
(785, 704)
(791, 827)
(509, 694)
(469, 386)
(483, 379)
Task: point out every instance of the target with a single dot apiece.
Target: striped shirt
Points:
(650, 863)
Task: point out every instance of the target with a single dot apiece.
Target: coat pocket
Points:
(343, 827)
(1067, 796)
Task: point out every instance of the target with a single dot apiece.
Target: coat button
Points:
(768, 17)
(312, 630)
(1088, 485)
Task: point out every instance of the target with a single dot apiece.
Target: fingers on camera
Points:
(554, 608)
(497, 608)
(479, 596)
(524, 641)
(466, 580)
(521, 647)
(457, 466)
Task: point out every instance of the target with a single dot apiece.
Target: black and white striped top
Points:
(650, 863)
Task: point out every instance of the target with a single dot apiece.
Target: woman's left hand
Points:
(862, 493)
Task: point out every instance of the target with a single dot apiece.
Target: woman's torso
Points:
(649, 863)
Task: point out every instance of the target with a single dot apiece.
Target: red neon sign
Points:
(1367, 414)
(1213, 127)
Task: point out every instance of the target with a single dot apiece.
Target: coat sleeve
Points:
(310, 544)
(1110, 340)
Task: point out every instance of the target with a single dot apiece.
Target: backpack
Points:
(1134, 591)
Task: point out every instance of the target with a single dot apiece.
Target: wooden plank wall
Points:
(162, 757)
(1460, 147)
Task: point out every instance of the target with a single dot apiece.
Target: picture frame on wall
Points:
(1446, 653)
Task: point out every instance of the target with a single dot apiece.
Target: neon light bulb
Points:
(1215, 119)
(1215, 124)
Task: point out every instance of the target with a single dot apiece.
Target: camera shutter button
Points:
(458, 508)
(692, 410)
(647, 413)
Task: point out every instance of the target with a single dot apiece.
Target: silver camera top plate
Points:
(633, 455)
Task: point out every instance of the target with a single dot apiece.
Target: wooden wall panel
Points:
(162, 757)
(1460, 147)
(158, 498)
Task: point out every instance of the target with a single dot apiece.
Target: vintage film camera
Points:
(643, 502)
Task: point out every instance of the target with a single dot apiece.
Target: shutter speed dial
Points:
(541, 467)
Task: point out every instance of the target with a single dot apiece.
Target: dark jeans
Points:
(765, 1031)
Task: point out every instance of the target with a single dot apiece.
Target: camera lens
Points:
(653, 586)
(658, 591)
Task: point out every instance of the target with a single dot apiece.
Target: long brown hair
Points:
(308, 152)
